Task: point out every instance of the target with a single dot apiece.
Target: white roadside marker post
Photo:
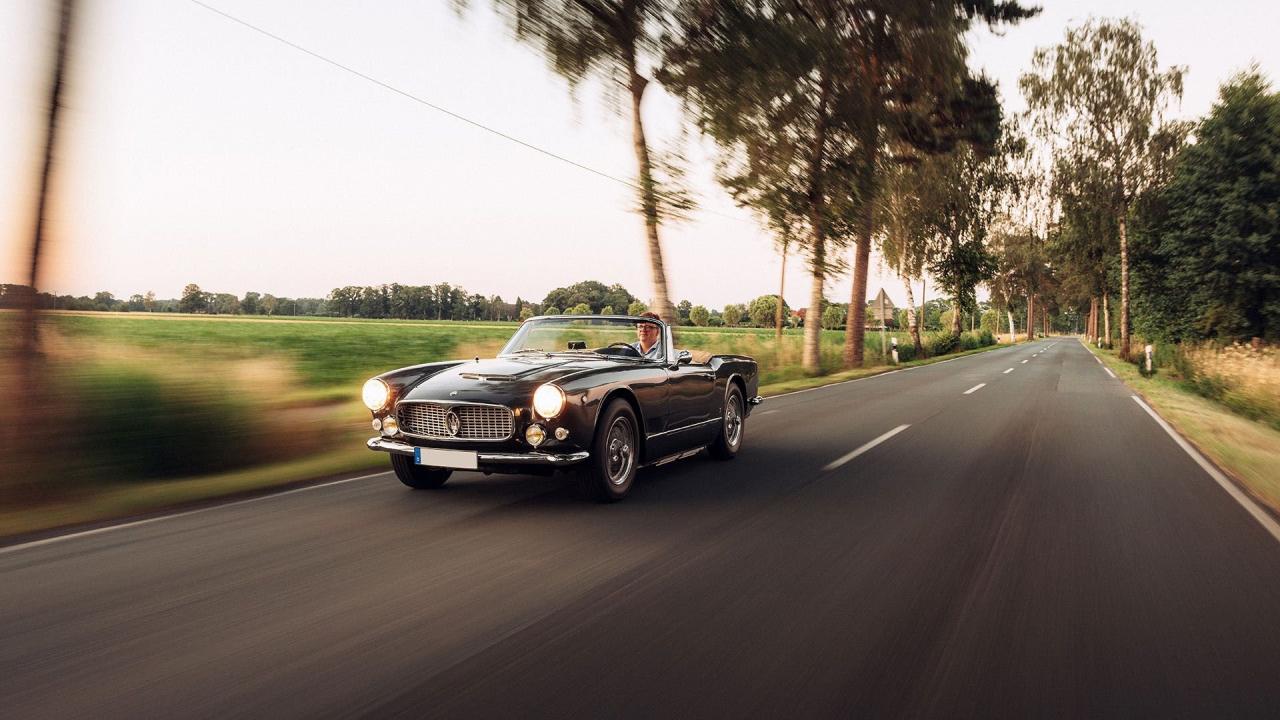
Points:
(895, 350)
(1148, 359)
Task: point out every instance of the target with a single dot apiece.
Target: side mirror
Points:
(684, 357)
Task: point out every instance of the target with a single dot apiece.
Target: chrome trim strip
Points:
(391, 446)
(686, 427)
(756, 400)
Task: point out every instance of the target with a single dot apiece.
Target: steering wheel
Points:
(627, 346)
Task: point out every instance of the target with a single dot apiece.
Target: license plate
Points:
(456, 459)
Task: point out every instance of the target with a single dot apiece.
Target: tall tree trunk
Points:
(649, 201)
(29, 338)
(782, 284)
(1124, 287)
(955, 318)
(856, 317)
(1091, 326)
(913, 320)
(811, 358)
(1013, 332)
(1106, 319)
(22, 394)
(1031, 316)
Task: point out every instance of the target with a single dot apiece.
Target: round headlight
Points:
(534, 435)
(390, 427)
(548, 400)
(375, 394)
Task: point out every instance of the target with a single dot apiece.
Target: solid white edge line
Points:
(197, 511)
(846, 458)
(1109, 371)
(975, 388)
(1265, 520)
(1006, 372)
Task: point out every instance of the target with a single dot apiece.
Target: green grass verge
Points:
(1247, 450)
(805, 383)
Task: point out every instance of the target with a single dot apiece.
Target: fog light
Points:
(562, 433)
(534, 434)
(390, 426)
(377, 424)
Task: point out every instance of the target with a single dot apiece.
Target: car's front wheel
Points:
(615, 454)
(417, 476)
(729, 441)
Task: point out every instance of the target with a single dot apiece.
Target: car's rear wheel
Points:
(615, 454)
(734, 427)
(418, 477)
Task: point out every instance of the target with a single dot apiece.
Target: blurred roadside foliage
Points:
(133, 400)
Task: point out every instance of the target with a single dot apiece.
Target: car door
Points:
(691, 404)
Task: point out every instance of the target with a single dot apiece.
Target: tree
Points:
(193, 300)
(682, 312)
(249, 305)
(579, 309)
(1099, 97)
(551, 310)
(1206, 248)
(833, 317)
(595, 294)
(763, 309)
(915, 96)
(770, 83)
(613, 40)
(733, 315)
(699, 315)
(526, 312)
(149, 301)
(607, 310)
(635, 307)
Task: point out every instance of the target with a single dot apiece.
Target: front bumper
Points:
(489, 458)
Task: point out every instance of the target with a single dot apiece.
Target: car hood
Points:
(501, 380)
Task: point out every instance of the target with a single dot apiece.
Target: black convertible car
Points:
(601, 395)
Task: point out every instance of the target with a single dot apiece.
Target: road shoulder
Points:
(1246, 451)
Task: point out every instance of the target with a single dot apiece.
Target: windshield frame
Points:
(511, 349)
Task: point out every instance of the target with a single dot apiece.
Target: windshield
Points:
(635, 338)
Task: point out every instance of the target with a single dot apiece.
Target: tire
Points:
(608, 474)
(734, 428)
(417, 476)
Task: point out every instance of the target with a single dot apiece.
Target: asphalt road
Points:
(1035, 547)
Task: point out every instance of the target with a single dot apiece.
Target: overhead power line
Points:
(427, 103)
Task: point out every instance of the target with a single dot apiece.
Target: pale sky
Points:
(197, 150)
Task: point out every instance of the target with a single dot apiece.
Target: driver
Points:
(647, 342)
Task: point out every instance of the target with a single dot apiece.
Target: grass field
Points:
(335, 352)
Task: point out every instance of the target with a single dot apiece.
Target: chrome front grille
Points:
(475, 422)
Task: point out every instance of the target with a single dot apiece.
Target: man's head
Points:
(647, 332)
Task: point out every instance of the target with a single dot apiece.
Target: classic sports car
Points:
(567, 392)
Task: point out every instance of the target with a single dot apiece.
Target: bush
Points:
(906, 353)
(942, 344)
(132, 424)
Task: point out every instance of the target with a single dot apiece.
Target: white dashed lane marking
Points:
(846, 458)
(975, 388)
